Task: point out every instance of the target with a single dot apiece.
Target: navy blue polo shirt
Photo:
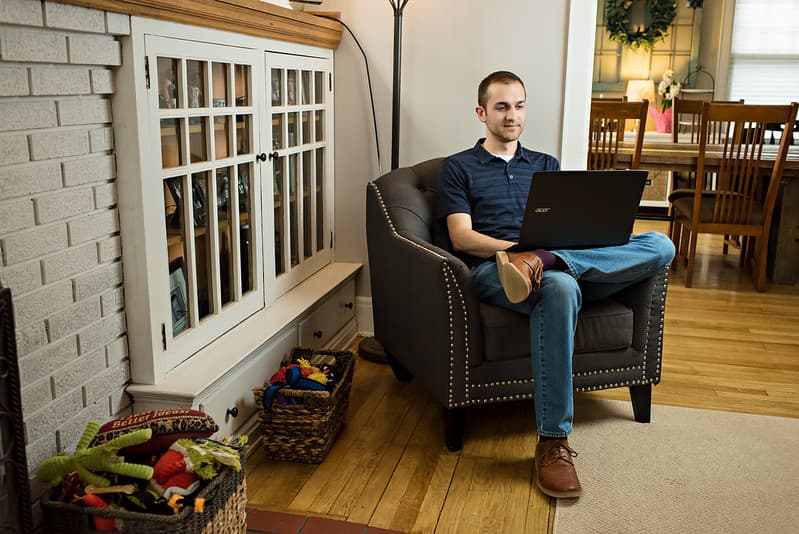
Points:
(492, 191)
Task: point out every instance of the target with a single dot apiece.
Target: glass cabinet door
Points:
(203, 98)
(300, 108)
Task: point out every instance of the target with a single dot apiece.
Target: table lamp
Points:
(638, 90)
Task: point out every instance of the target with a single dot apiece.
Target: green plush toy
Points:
(87, 460)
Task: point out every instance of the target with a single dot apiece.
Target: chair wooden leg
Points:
(685, 239)
(748, 244)
(674, 233)
(641, 397)
(454, 425)
(759, 267)
(689, 269)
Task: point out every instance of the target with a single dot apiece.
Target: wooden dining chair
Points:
(606, 132)
(687, 119)
(742, 200)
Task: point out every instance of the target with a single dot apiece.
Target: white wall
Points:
(448, 46)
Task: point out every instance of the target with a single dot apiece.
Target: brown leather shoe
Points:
(554, 469)
(520, 274)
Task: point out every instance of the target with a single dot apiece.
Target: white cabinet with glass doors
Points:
(225, 182)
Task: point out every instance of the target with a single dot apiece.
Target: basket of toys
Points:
(302, 407)
(156, 472)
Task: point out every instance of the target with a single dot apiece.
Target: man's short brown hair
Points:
(500, 76)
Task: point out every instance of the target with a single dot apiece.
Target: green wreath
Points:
(660, 13)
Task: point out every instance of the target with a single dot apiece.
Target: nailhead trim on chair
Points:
(608, 371)
(451, 335)
(504, 383)
(615, 385)
(661, 306)
(466, 379)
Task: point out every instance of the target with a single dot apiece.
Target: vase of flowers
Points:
(668, 88)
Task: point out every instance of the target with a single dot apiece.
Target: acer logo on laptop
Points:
(541, 210)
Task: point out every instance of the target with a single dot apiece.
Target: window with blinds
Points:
(764, 54)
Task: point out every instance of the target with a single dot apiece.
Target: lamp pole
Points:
(370, 348)
(399, 6)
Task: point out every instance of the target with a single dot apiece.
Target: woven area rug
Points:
(687, 471)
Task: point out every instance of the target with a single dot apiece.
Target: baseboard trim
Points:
(366, 323)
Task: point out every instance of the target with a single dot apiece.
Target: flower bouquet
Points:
(668, 88)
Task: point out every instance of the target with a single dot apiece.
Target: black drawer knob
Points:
(318, 334)
(348, 305)
(232, 412)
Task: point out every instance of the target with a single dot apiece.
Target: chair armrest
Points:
(647, 299)
(426, 312)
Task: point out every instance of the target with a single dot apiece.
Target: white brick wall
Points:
(21, 12)
(117, 24)
(60, 248)
(21, 180)
(13, 81)
(93, 227)
(32, 243)
(82, 111)
(59, 143)
(74, 318)
(109, 249)
(94, 50)
(37, 395)
(99, 280)
(63, 204)
(22, 44)
(45, 362)
(60, 81)
(23, 277)
(73, 375)
(101, 139)
(16, 215)
(22, 115)
(43, 302)
(90, 169)
(13, 149)
(73, 17)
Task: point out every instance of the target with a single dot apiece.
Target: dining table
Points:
(783, 251)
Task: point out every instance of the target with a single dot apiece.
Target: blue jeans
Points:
(590, 274)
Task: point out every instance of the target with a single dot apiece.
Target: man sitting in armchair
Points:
(482, 193)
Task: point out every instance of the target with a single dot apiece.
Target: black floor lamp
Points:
(398, 6)
(370, 348)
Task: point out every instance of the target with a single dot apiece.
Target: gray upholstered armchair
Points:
(433, 327)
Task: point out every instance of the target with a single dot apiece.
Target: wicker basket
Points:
(225, 512)
(305, 431)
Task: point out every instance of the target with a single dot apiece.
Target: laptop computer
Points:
(581, 209)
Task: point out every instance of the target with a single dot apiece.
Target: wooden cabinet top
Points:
(251, 17)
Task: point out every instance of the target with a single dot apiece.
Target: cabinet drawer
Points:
(233, 392)
(321, 325)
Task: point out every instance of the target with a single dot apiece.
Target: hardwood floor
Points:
(726, 347)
